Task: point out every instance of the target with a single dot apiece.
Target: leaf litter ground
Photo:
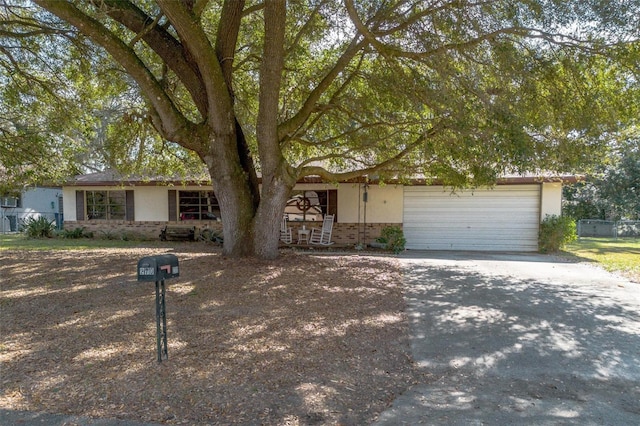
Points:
(300, 340)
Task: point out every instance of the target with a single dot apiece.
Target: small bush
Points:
(393, 237)
(39, 227)
(108, 235)
(129, 236)
(555, 233)
(75, 233)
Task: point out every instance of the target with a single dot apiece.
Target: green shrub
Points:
(393, 237)
(129, 236)
(75, 233)
(39, 227)
(555, 232)
(108, 235)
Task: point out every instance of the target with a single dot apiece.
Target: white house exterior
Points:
(32, 202)
(503, 218)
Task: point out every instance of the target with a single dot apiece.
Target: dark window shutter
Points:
(332, 205)
(173, 206)
(130, 208)
(80, 205)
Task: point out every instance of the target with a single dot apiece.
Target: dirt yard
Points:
(299, 341)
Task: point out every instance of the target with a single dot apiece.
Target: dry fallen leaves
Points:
(300, 340)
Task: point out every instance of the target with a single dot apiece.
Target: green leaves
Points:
(463, 92)
(612, 190)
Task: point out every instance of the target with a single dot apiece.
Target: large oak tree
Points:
(459, 90)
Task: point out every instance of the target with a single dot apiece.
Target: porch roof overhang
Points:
(113, 178)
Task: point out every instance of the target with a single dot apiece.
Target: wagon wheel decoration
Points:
(303, 204)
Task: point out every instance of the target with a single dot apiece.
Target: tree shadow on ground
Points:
(303, 339)
(505, 349)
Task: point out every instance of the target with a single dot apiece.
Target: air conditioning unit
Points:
(9, 202)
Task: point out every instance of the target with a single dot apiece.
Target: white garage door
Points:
(505, 218)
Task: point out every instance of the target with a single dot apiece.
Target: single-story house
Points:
(32, 202)
(505, 217)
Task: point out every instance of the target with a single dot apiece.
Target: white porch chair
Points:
(286, 236)
(323, 236)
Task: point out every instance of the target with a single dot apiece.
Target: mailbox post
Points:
(158, 268)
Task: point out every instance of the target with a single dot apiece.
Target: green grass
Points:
(20, 242)
(616, 255)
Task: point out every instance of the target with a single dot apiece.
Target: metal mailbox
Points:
(158, 268)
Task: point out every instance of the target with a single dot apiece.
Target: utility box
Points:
(158, 268)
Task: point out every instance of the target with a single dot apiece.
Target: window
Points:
(10, 202)
(198, 205)
(106, 205)
(311, 205)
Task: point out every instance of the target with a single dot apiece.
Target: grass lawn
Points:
(620, 255)
(20, 242)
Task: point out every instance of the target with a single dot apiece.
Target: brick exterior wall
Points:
(134, 230)
(344, 234)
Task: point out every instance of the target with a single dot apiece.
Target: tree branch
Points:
(332, 176)
(199, 7)
(164, 44)
(270, 82)
(323, 110)
(256, 7)
(227, 38)
(146, 30)
(173, 125)
(296, 40)
(364, 126)
(196, 42)
(289, 127)
(362, 29)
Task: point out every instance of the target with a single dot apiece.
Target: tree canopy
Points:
(612, 190)
(462, 91)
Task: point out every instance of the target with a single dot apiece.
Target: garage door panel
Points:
(501, 219)
(487, 206)
(479, 215)
(479, 229)
(473, 234)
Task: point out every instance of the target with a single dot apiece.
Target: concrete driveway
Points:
(519, 339)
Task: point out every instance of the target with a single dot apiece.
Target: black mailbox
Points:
(158, 268)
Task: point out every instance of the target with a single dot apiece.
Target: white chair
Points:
(286, 236)
(323, 236)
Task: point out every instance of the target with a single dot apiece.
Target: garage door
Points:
(505, 218)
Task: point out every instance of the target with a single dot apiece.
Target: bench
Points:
(178, 233)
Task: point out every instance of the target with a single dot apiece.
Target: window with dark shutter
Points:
(106, 205)
(80, 205)
(130, 208)
(173, 205)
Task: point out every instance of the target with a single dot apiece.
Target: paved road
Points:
(520, 339)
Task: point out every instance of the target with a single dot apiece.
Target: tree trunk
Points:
(248, 232)
(237, 213)
(268, 219)
(251, 227)
(234, 191)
